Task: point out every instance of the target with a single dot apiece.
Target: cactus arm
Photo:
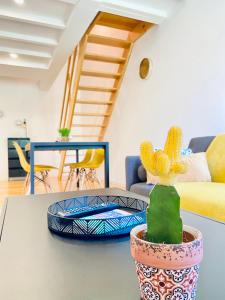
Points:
(178, 168)
(148, 157)
(162, 164)
(173, 143)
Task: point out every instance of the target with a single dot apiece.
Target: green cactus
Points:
(164, 224)
(64, 132)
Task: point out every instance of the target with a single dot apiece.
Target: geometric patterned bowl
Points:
(96, 228)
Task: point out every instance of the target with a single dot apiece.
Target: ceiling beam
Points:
(32, 19)
(18, 63)
(33, 39)
(82, 16)
(23, 73)
(25, 52)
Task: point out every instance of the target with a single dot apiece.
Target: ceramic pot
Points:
(64, 139)
(167, 272)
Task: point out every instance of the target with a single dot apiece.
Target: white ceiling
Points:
(43, 33)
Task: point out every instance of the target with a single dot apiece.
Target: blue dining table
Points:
(64, 146)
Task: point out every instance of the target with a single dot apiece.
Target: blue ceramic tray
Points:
(95, 227)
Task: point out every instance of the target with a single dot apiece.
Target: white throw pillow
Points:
(197, 170)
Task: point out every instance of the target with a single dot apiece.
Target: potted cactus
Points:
(167, 254)
(64, 134)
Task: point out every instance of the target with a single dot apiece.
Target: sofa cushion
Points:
(204, 198)
(200, 144)
(141, 188)
(142, 174)
(197, 170)
(216, 158)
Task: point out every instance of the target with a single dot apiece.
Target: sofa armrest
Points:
(132, 164)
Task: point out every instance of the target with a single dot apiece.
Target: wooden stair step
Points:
(105, 58)
(115, 21)
(82, 114)
(97, 89)
(89, 125)
(100, 74)
(108, 41)
(94, 102)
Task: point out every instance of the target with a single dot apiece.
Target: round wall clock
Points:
(144, 68)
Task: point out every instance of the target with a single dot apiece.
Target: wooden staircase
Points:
(95, 72)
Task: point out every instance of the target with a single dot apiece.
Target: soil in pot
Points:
(187, 236)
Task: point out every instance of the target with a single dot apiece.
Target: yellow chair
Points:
(42, 169)
(27, 147)
(77, 166)
(88, 167)
(90, 175)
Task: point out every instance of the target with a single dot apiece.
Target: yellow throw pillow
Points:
(216, 158)
(197, 170)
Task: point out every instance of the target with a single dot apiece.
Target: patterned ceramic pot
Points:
(167, 272)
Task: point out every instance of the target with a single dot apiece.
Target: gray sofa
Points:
(136, 175)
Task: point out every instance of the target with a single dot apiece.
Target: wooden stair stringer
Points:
(76, 70)
(72, 100)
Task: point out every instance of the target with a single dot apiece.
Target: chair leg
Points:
(85, 182)
(98, 182)
(95, 178)
(82, 180)
(46, 181)
(28, 190)
(68, 179)
(92, 177)
(42, 179)
(27, 187)
(77, 177)
(71, 179)
(26, 181)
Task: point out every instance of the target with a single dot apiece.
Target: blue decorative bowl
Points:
(96, 227)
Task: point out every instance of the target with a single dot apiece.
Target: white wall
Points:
(22, 99)
(52, 100)
(186, 86)
(19, 100)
